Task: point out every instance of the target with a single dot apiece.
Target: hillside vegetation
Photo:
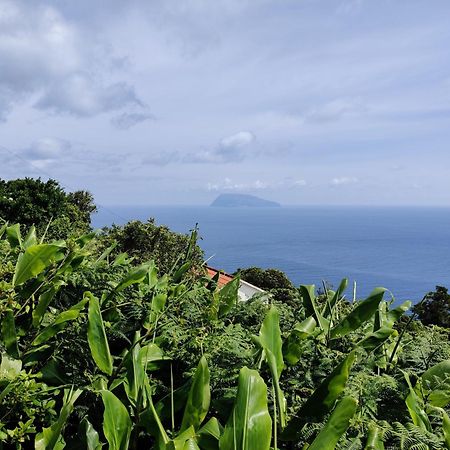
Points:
(104, 348)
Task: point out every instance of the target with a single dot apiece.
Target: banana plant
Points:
(336, 425)
(322, 399)
(272, 352)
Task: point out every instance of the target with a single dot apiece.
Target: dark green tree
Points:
(146, 241)
(274, 281)
(30, 201)
(435, 308)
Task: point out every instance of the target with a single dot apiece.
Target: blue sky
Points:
(174, 102)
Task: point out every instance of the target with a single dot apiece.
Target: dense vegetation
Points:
(100, 347)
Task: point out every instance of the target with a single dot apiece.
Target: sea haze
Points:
(406, 250)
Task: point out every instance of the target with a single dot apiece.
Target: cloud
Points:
(234, 148)
(44, 55)
(47, 148)
(335, 110)
(81, 96)
(229, 185)
(161, 158)
(342, 181)
(125, 120)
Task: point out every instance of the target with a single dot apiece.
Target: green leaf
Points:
(14, 236)
(394, 315)
(270, 340)
(416, 407)
(97, 340)
(336, 425)
(309, 302)
(44, 300)
(31, 238)
(292, 348)
(373, 340)
(229, 296)
(199, 397)
(436, 384)
(249, 426)
(34, 261)
(446, 429)
(9, 334)
(209, 435)
(359, 315)
(116, 422)
(135, 375)
(60, 322)
(90, 438)
(135, 276)
(329, 307)
(50, 438)
(9, 367)
(322, 399)
(178, 275)
(374, 438)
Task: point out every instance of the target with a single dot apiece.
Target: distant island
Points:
(242, 200)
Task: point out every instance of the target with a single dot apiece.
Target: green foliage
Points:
(148, 241)
(273, 281)
(101, 349)
(31, 201)
(435, 308)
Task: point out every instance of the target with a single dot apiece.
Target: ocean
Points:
(406, 250)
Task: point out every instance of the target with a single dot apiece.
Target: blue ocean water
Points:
(406, 250)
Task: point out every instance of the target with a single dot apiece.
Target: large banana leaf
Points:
(270, 341)
(292, 347)
(436, 384)
(373, 340)
(416, 407)
(34, 261)
(394, 314)
(98, 343)
(249, 426)
(60, 322)
(14, 236)
(9, 335)
(208, 435)
(50, 438)
(359, 315)
(199, 397)
(309, 302)
(228, 296)
(374, 438)
(322, 399)
(329, 307)
(336, 425)
(136, 275)
(116, 422)
(44, 301)
(446, 429)
(135, 375)
(31, 238)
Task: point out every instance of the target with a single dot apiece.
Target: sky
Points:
(326, 102)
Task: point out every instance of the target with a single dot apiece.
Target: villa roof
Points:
(224, 278)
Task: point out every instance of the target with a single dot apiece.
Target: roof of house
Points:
(224, 278)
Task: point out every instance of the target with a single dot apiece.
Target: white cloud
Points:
(343, 181)
(229, 185)
(336, 109)
(233, 148)
(43, 54)
(127, 120)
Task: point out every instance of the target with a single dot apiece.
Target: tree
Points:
(435, 308)
(146, 241)
(274, 281)
(31, 201)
